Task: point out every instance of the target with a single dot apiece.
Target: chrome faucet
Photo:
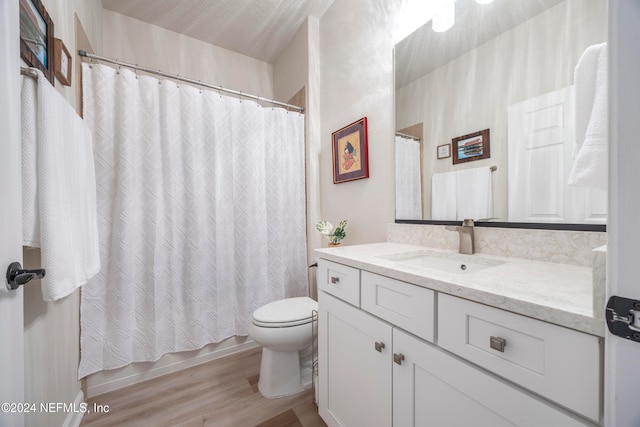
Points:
(466, 236)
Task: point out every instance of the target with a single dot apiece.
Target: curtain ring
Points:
(220, 89)
(117, 65)
(240, 96)
(135, 71)
(199, 86)
(178, 81)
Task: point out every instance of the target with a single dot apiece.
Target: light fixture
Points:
(483, 1)
(445, 19)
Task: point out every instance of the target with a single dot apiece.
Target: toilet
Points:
(284, 329)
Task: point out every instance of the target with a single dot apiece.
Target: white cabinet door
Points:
(354, 377)
(433, 388)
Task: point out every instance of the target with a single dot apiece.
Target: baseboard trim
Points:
(74, 418)
(159, 369)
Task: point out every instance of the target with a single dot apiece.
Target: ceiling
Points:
(425, 50)
(260, 29)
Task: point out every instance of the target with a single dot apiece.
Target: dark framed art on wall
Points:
(468, 148)
(36, 37)
(350, 152)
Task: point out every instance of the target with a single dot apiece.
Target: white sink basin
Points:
(454, 264)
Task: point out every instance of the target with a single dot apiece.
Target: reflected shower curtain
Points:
(408, 179)
(201, 206)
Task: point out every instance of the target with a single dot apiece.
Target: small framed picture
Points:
(444, 151)
(62, 62)
(36, 37)
(468, 148)
(350, 152)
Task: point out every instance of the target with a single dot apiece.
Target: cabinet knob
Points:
(497, 343)
(379, 346)
(398, 358)
(334, 280)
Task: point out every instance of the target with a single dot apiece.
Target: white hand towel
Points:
(474, 195)
(443, 196)
(59, 206)
(592, 140)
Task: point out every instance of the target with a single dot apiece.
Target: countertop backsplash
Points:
(558, 246)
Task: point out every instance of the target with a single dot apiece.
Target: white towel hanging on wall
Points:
(474, 195)
(592, 140)
(59, 192)
(464, 194)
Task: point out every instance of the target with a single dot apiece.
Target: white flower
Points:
(325, 228)
(334, 236)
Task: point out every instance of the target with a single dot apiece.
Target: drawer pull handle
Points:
(497, 343)
(398, 358)
(334, 280)
(379, 346)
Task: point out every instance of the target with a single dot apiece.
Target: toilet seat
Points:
(285, 313)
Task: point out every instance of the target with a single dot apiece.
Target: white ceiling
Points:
(257, 28)
(425, 50)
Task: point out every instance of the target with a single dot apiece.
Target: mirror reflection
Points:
(500, 116)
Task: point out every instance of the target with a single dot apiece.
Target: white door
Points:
(11, 317)
(354, 377)
(541, 137)
(622, 374)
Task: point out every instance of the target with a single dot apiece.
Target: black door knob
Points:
(17, 276)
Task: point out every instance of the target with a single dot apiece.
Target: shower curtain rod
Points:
(188, 80)
(408, 136)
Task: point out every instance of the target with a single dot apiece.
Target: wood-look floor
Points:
(222, 392)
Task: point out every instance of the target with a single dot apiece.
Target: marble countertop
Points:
(556, 293)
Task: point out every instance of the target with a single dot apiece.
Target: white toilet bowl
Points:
(284, 329)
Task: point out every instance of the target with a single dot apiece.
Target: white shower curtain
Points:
(201, 206)
(408, 179)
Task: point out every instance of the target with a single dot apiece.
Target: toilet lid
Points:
(286, 311)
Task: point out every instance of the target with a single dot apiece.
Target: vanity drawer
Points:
(339, 280)
(558, 363)
(407, 306)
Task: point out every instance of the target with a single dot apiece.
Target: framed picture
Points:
(62, 62)
(36, 37)
(469, 148)
(350, 152)
(444, 151)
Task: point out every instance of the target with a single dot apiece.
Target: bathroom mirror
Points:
(506, 67)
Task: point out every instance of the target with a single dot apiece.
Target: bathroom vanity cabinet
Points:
(394, 353)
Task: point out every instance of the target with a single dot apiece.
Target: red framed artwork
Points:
(350, 152)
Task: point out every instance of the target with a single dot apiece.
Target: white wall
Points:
(51, 336)
(473, 91)
(130, 40)
(297, 67)
(356, 60)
